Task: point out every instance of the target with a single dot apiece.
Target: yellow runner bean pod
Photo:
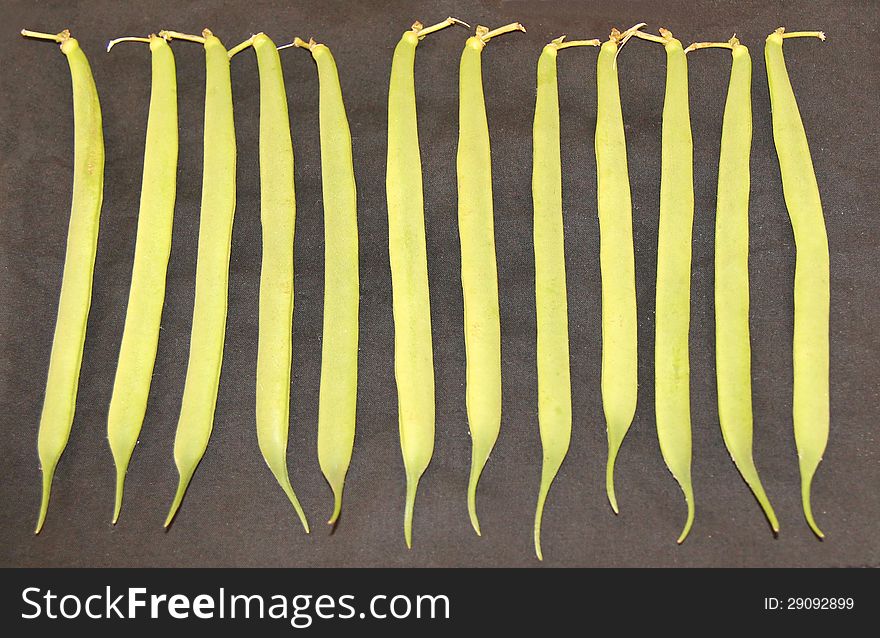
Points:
(732, 348)
(277, 217)
(479, 271)
(140, 337)
(337, 406)
(671, 363)
(413, 354)
(554, 380)
(212, 267)
(79, 262)
(620, 382)
(812, 278)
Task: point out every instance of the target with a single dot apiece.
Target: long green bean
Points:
(812, 297)
(79, 261)
(732, 348)
(140, 337)
(413, 355)
(479, 272)
(337, 406)
(671, 365)
(551, 303)
(212, 268)
(616, 257)
(277, 216)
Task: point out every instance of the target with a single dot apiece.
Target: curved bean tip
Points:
(688, 523)
(472, 510)
(808, 509)
(44, 499)
(612, 497)
(337, 509)
(537, 534)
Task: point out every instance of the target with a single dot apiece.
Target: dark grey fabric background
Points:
(234, 513)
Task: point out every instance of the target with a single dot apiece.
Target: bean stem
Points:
(60, 38)
(128, 38)
(177, 35)
(484, 34)
(421, 31)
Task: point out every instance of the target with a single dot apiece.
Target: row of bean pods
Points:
(414, 368)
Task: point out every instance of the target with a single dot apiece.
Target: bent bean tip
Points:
(337, 510)
(813, 526)
(690, 518)
(475, 523)
(612, 497)
(774, 523)
(407, 527)
(472, 511)
(472, 502)
(687, 529)
(609, 480)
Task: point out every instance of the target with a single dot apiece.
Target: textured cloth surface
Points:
(234, 512)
